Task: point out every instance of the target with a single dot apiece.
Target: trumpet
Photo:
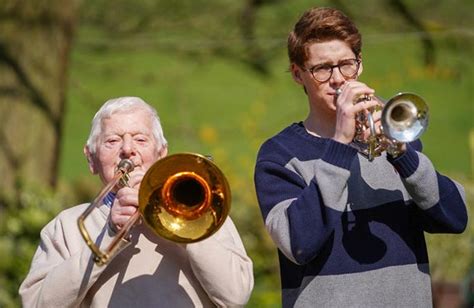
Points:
(183, 198)
(404, 119)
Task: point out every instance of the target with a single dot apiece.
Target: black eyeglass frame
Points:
(332, 67)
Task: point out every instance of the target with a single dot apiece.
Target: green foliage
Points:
(451, 256)
(21, 219)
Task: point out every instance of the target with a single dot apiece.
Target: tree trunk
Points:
(35, 42)
(425, 37)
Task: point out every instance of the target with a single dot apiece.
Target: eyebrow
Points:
(330, 63)
(133, 134)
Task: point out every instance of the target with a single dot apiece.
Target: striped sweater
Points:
(351, 232)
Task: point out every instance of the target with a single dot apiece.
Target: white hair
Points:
(122, 104)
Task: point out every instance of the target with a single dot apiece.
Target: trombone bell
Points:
(184, 198)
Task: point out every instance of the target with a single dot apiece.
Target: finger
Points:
(356, 95)
(126, 211)
(120, 221)
(358, 88)
(377, 115)
(367, 132)
(364, 114)
(378, 126)
(127, 196)
(136, 178)
(364, 105)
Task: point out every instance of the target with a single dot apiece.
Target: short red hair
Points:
(321, 25)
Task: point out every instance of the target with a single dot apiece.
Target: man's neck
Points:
(320, 125)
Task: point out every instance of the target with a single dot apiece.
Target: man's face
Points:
(322, 95)
(125, 134)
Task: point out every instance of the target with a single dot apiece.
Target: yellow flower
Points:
(208, 134)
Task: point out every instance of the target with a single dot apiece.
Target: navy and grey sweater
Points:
(351, 232)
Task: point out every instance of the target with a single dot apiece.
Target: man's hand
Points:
(348, 105)
(377, 122)
(126, 201)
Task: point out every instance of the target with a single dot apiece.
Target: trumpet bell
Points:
(184, 197)
(405, 117)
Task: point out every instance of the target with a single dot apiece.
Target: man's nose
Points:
(128, 147)
(337, 78)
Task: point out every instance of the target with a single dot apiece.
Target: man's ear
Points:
(163, 151)
(361, 67)
(90, 160)
(296, 73)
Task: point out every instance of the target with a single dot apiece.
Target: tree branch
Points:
(36, 98)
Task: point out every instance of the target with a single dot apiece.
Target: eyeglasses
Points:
(348, 68)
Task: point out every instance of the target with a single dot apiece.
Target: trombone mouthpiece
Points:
(126, 165)
(338, 91)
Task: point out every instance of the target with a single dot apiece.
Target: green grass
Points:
(447, 89)
(195, 97)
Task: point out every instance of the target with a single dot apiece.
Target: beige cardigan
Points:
(147, 272)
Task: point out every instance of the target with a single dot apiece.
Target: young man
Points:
(350, 233)
(148, 271)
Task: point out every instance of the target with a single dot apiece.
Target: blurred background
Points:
(216, 71)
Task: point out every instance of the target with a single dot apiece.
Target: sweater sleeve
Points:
(59, 277)
(222, 266)
(300, 214)
(441, 201)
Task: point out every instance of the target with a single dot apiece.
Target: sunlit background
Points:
(216, 71)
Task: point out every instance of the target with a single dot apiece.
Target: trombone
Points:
(184, 198)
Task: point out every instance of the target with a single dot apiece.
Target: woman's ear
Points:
(296, 73)
(90, 160)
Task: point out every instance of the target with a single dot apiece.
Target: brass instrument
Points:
(183, 197)
(404, 119)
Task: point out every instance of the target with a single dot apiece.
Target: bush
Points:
(21, 220)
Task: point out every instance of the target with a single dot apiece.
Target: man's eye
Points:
(322, 68)
(346, 63)
(141, 139)
(112, 141)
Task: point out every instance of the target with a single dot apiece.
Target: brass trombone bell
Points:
(184, 198)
